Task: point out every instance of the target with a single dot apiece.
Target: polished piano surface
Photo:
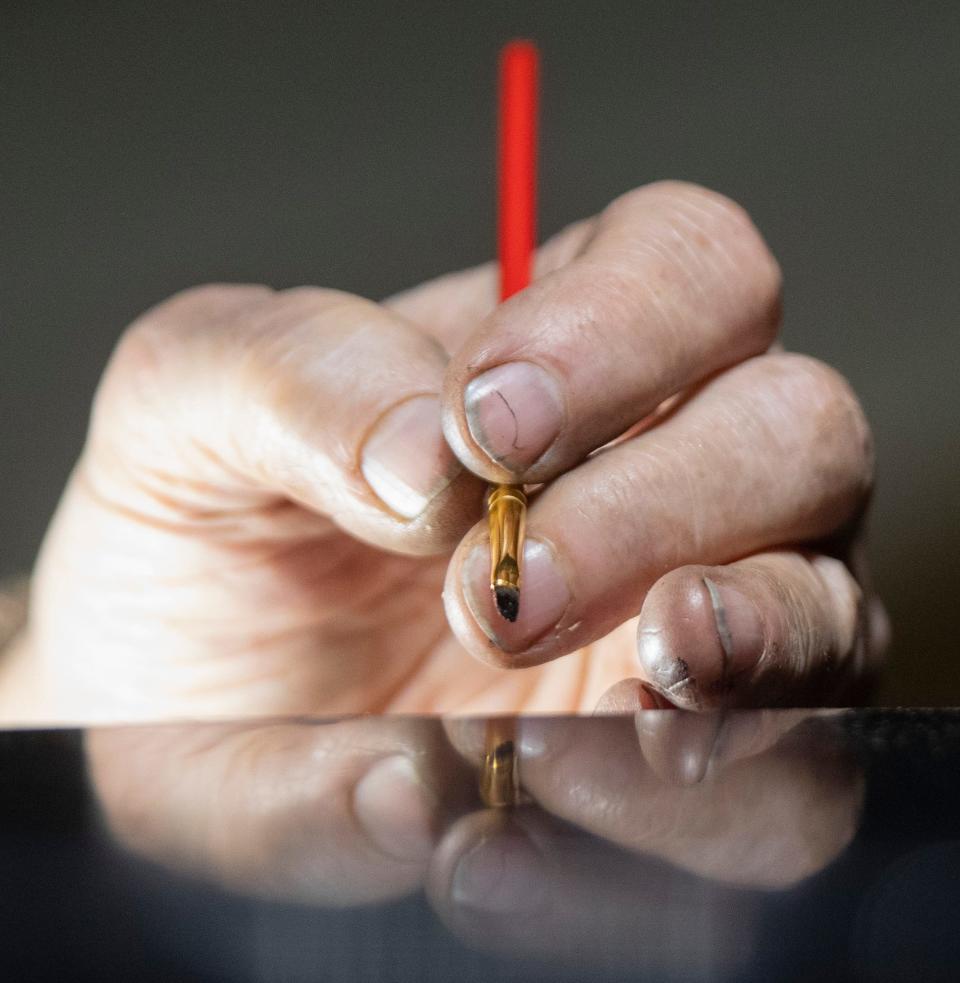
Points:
(750, 845)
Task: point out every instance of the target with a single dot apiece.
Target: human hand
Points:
(643, 841)
(268, 506)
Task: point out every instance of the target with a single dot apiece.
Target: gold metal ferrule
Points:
(499, 774)
(507, 512)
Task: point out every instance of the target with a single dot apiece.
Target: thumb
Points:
(338, 813)
(224, 399)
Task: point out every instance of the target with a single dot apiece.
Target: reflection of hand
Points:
(369, 809)
(266, 509)
(335, 814)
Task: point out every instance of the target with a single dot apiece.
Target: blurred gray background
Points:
(147, 148)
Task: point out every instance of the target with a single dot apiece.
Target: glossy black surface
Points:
(819, 848)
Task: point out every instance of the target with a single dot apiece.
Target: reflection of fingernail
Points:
(396, 809)
(544, 596)
(533, 736)
(501, 874)
(679, 745)
(405, 459)
(514, 412)
(739, 628)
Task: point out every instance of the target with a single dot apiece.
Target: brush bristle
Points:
(508, 602)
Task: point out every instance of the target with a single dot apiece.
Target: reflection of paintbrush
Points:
(516, 236)
(499, 778)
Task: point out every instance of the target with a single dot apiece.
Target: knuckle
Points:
(715, 209)
(845, 593)
(840, 427)
(325, 307)
(137, 350)
(169, 340)
(303, 315)
(693, 223)
(701, 207)
(206, 301)
(722, 223)
(313, 297)
(187, 313)
(137, 367)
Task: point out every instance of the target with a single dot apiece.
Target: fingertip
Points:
(405, 460)
(677, 642)
(698, 632)
(488, 869)
(679, 746)
(464, 447)
(514, 412)
(473, 614)
(438, 528)
(629, 696)
(396, 809)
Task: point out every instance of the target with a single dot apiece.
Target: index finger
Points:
(671, 284)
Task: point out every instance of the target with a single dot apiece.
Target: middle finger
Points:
(774, 451)
(673, 284)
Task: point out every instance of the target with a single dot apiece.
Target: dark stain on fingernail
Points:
(665, 671)
(674, 674)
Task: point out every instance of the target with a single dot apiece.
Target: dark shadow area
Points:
(77, 906)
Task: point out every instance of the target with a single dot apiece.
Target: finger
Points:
(680, 747)
(686, 748)
(674, 284)
(775, 450)
(629, 696)
(766, 820)
(311, 395)
(782, 627)
(340, 814)
(451, 306)
(523, 884)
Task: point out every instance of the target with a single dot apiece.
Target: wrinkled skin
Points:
(277, 487)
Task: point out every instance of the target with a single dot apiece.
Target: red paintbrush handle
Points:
(517, 164)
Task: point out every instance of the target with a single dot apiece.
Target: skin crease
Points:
(219, 552)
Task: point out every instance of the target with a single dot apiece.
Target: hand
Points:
(268, 504)
(637, 824)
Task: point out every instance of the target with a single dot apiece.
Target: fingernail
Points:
(679, 746)
(662, 665)
(533, 736)
(544, 596)
(514, 413)
(739, 627)
(396, 809)
(500, 875)
(694, 639)
(548, 737)
(405, 460)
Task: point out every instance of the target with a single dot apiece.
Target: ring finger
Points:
(774, 451)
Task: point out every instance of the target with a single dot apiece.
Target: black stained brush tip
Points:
(508, 602)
